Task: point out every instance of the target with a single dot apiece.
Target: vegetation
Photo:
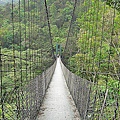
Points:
(95, 53)
(98, 42)
(92, 51)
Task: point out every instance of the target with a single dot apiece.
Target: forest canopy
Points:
(93, 43)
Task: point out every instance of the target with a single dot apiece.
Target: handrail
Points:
(30, 97)
(92, 100)
(34, 93)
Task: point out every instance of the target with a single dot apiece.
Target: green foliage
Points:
(92, 23)
(114, 3)
(97, 57)
(93, 55)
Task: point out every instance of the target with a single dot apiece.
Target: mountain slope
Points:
(3, 2)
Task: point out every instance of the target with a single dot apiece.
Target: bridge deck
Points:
(58, 103)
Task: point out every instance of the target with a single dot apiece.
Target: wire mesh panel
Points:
(79, 89)
(21, 102)
(34, 93)
(93, 101)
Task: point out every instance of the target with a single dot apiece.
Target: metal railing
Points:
(93, 101)
(21, 99)
(34, 93)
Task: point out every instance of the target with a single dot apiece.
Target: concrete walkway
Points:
(58, 103)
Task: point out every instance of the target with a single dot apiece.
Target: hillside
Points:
(60, 17)
(3, 2)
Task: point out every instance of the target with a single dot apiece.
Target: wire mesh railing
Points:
(21, 100)
(94, 102)
(34, 93)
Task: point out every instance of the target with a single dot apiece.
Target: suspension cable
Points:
(49, 27)
(70, 26)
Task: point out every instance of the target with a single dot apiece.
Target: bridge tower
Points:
(58, 49)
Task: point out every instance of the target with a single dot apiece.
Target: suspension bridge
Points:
(81, 84)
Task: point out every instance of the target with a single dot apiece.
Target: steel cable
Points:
(71, 22)
(49, 27)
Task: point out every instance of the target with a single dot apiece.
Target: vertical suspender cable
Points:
(89, 47)
(1, 83)
(30, 54)
(100, 49)
(84, 39)
(15, 79)
(34, 41)
(95, 74)
(110, 44)
(81, 45)
(31, 36)
(25, 20)
(29, 41)
(102, 35)
(33, 45)
(80, 38)
(96, 28)
(37, 22)
(86, 48)
(21, 78)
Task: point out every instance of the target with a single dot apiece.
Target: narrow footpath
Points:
(58, 103)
